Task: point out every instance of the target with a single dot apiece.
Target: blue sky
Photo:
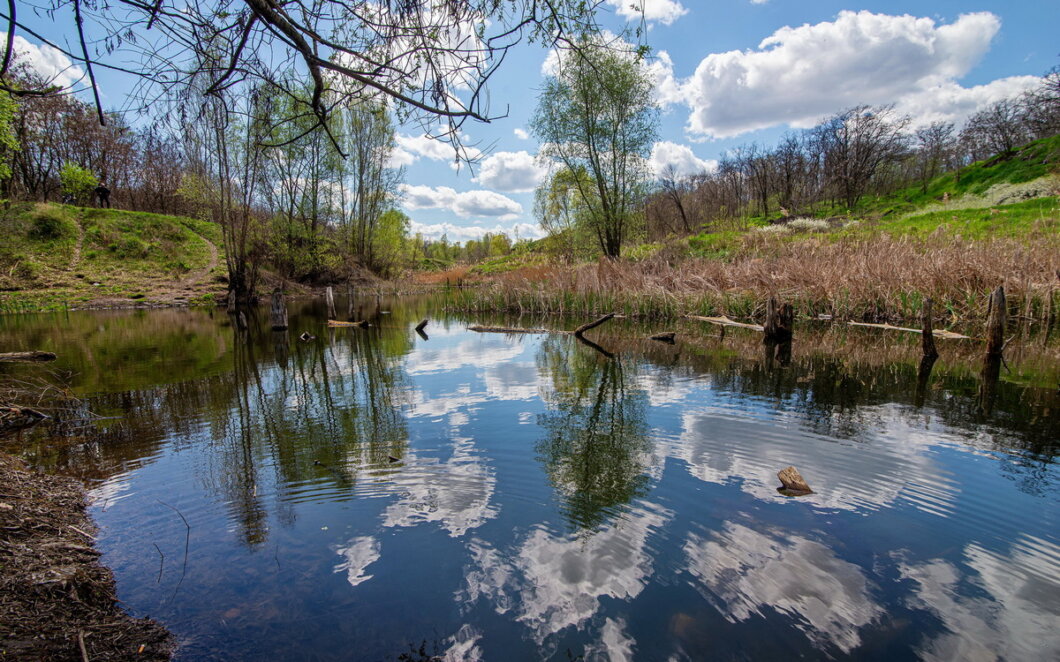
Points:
(729, 73)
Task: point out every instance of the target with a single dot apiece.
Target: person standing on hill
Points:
(103, 194)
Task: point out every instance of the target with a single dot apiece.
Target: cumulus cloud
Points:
(798, 75)
(662, 11)
(665, 154)
(412, 148)
(521, 134)
(46, 61)
(462, 233)
(465, 204)
(512, 172)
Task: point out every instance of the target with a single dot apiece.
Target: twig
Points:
(161, 562)
(187, 542)
(90, 537)
(81, 643)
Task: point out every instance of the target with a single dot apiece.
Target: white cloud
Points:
(949, 102)
(411, 148)
(521, 134)
(798, 75)
(359, 554)
(47, 61)
(747, 572)
(399, 158)
(663, 11)
(463, 233)
(681, 157)
(466, 204)
(512, 172)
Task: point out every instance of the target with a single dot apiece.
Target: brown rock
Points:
(794, 483)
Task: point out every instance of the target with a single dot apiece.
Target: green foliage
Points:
(8, 140)
(77, 182)
(597, 117)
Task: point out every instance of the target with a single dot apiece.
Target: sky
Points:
(728, 73)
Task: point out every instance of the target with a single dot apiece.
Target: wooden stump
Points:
(278, 313)
(995, 323)
(927, 334)
(793, 482)
(780, 320)
(329, 297)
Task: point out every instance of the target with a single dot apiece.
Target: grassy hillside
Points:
(994, 222)
(57, 256)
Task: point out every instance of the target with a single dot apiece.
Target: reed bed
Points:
(878, 278)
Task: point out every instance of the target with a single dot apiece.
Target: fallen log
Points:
(362, 324)
(725, 321)
(509, 329)
(27, 357)
(421, 325)
(938, 333)
(592, 325)
(667, 336)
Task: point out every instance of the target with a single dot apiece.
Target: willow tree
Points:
(597, 117)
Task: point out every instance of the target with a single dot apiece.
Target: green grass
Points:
(1033, 161)
(124, 257)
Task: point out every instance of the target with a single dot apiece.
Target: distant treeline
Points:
(863, 151)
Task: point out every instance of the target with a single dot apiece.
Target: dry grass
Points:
(877, 278)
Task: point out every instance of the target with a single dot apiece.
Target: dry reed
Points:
(877, 279)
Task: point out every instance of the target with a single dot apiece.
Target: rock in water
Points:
(794, 483)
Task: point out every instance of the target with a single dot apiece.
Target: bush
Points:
(77, 182)
(46, 227)
(131, 247)
(28, 269)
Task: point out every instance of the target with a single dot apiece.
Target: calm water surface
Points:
(550, 500)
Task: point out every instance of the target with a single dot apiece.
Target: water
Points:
(549, 501)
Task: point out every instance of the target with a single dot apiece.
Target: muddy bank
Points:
(56, 601)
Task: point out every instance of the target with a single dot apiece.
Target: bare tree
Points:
(855, 144)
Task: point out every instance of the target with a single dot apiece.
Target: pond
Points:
(375, 494)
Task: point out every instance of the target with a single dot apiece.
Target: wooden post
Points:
(928, 335)
(779, 321)
(329, 297)
(279, 311)
(995, 323)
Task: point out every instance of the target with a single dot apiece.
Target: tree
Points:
(78, 183)
(855, 144)
(997, 129)
(935, 143)
(597, 117)
(433, 58)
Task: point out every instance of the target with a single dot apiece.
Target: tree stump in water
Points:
(995, 323)
(927, 334)
(793, 482)
(780, 320)
(329, 297)
(278, 313)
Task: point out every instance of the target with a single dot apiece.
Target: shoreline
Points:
(57, 601)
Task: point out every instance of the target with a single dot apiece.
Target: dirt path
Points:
(76, 259)
(198, 275)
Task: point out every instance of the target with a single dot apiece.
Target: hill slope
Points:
(57, 256)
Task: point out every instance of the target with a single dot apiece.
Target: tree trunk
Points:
(279, 311)
(329, 296)
(995, 323)
(928, 336)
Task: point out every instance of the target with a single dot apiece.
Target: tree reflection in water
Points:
(595, 447)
